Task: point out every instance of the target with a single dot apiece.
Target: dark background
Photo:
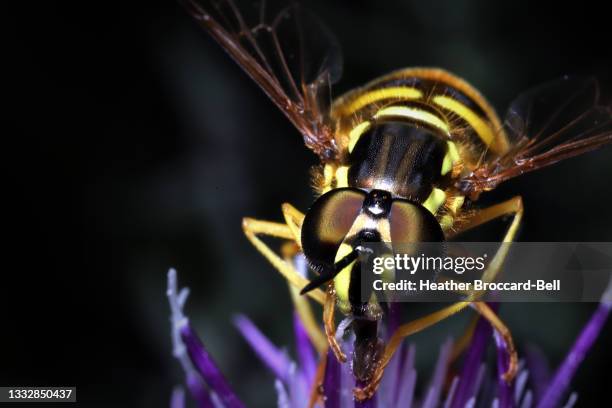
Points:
(135, 144)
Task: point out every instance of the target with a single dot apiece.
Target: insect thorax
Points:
(400, 158)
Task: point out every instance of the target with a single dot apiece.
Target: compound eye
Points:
(411, 222)
(328, 222)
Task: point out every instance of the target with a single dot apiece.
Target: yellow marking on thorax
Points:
(398, 92)
(450, 158)
(356, 133)
(328, 177)
(414, 114)
(332, 173)
(435, 200)
(482, 128)
(446, 222)
(453, 204)
(342, 176)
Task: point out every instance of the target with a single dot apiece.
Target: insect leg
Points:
(294, 219)
(253, 228)
(302, 306)
(513, 206)
(395, 341)
(330, 327)
(486, 312)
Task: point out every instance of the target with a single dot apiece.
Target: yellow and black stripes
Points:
(416, 113)
(378, 96)
(415, 93)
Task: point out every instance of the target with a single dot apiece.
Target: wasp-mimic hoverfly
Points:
(403, 159)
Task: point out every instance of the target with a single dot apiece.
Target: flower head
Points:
(296, 379)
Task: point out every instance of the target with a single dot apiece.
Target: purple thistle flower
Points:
(205, 382)
(560, 382)
(475, 385)
(331, 381)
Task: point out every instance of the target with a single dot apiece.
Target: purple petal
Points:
(527, 400)
(195, 383)
(331, 381)
(520, 385)
(388, 387)
(451, 394)
(178, 398)
(408, 377)
(283, 397)
(347, 380)
(276, 360)
(437, 381)
(207, 368)
(560, 383)
(480, 376)
(305, 351)
(471, 364)
(299, 390)
(198, 391)
(505, 391)
(571, 401)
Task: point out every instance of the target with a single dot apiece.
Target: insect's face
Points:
(345, 218)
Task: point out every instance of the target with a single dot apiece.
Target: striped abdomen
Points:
(433, 98)
(412, 132)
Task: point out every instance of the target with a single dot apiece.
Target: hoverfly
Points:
(403, 159)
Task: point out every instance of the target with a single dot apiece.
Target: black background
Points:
(133, 143)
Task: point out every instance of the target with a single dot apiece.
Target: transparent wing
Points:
(545, 125)
(287, 52)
